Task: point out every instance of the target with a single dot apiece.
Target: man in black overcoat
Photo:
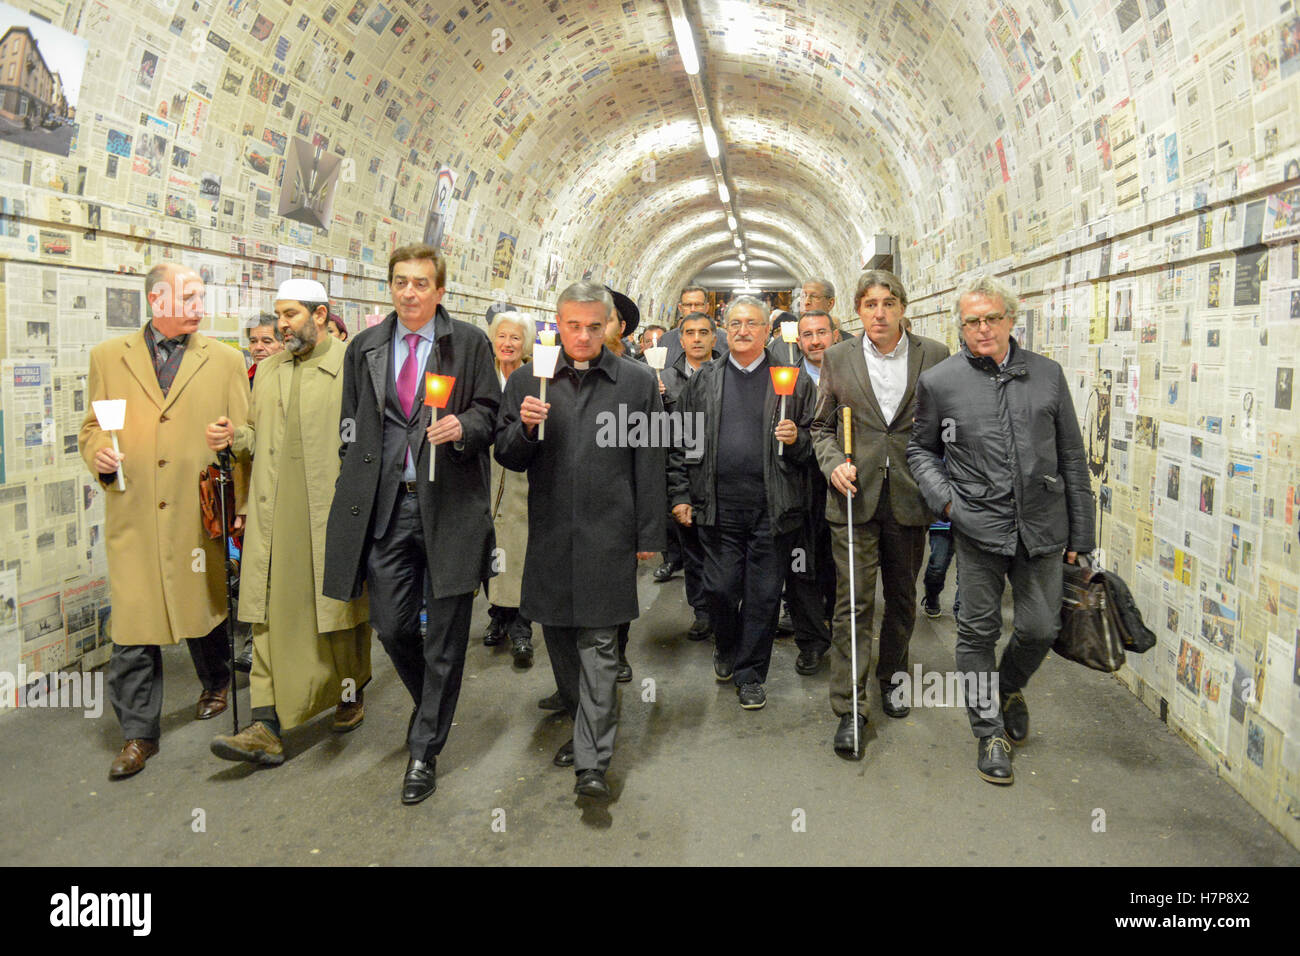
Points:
(410, 539)
(597, 504)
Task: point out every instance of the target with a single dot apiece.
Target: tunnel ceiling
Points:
(839, 120)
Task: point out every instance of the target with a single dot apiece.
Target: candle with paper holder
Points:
(783, 382)
(544, 359)
(111, 415)
(790, 335)
(437, 389)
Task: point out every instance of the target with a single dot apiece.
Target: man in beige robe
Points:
(165, 573)
(310, 652)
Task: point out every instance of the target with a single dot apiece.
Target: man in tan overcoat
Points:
(310, 652)
(166, 575)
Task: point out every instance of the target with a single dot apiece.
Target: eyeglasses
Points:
(735, 325)
(974, 322)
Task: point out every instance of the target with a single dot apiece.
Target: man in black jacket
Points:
(596, 505)
(412, 539)
(698, 334)
(747, 500)
(996, 450)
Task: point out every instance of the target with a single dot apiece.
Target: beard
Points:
(301, 343)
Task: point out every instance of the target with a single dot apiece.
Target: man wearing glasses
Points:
(996, 449)
(747, 500)
(877, 379)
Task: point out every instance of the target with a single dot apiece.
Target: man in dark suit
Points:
(409, 538)
(596, 505)
(875, 377)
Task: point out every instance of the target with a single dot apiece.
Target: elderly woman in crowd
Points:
(512, 335)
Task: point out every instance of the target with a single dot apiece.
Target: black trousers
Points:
(810, 594)
(673, 554)
(135, 679)
(431, 666)
(692, 567)
(744, 565)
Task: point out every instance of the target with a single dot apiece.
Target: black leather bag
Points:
(1088, 634)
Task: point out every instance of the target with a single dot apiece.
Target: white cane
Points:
(853, 594)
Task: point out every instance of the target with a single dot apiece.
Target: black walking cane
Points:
(225, 481)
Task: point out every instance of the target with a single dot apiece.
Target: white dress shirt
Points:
(888, 374)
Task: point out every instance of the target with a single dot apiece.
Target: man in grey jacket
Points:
(996, 450)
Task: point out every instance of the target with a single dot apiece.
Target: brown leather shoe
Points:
(211, 703)
(131, 760)
(254, 744)
(349, 714)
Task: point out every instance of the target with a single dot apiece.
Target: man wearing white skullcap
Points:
(310, 652)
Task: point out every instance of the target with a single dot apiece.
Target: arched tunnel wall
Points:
(1133, 167)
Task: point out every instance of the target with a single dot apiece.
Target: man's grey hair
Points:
(989, 286)
(584, 291)
(156, 275)
(527, 328)
(692, 288)
(257, 321)
(823, 286)
(695, 317)
(750, 301)
(883, 278)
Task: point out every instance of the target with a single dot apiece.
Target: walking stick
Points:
(225, 480)
(853, 594)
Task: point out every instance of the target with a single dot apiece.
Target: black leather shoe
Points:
(665, 571)
(752, 696)
(564, 756)
(591, 783)
(844, 737)
(521, 649)
(494, 634)
(554, 702)
(1015, 716)
(994, 759)
(244, 662)
(784, 625)
(419, 781)
(809, 661)
(701, 628)
(892, 701)
(721, 668)
(624, 673)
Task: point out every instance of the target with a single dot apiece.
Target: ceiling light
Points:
(731, 222)
(723, 193)
(686, 45)
(710, 142)
(735, 241)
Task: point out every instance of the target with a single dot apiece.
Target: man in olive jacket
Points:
(596, 505)
(407, 537)
(996, 450)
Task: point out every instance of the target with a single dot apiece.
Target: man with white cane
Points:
(876, 379)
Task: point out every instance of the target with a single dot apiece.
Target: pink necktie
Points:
(409, 377)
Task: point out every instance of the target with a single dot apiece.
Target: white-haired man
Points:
(996, 450)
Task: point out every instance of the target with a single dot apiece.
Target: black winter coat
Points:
(458, 533)
(1003, 446)
(593, 502)
(785, 476)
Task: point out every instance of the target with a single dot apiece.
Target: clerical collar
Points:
(581, 366)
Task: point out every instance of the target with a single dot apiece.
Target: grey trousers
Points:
(1036, 585)
(135, 679)
(585, 663)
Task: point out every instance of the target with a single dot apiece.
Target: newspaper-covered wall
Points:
(1131, 164)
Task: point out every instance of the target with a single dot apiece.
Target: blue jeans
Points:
(936, 571)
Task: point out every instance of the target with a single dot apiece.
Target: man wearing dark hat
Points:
(596, 505)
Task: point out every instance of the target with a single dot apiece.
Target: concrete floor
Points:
(696, 779)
